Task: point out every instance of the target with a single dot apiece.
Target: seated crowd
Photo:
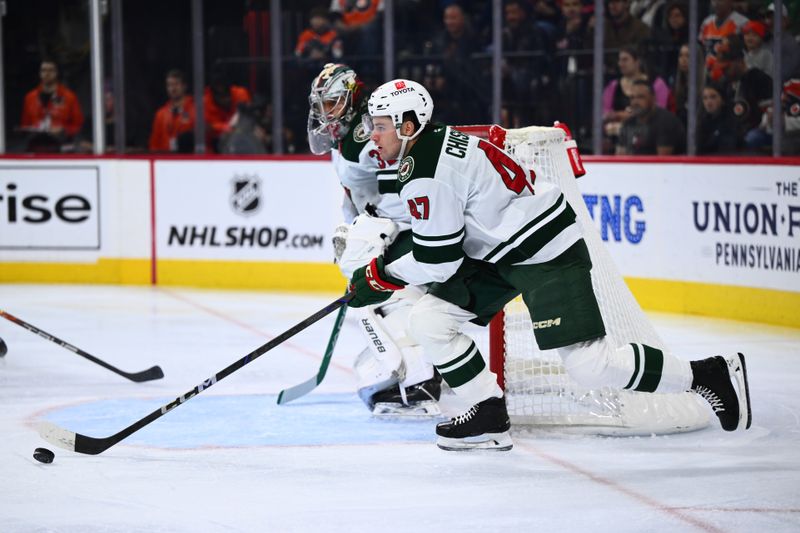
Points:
(546, 74)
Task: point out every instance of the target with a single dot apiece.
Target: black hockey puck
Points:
(43, 455)
(3, 348)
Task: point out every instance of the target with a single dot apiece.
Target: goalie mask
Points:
(332, 106)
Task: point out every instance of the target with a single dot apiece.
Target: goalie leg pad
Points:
(373, 377)
(392, 371)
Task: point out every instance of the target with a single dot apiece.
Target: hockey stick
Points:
(301, 389)
(145, 375)
(92, 445)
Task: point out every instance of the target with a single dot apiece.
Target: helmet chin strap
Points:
(404, 141)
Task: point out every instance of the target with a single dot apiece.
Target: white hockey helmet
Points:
(332, 104)
(395, 98)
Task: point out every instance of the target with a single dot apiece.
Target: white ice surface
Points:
(230, 459)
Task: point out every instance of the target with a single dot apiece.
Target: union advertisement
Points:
(722, 224)
(246, 210)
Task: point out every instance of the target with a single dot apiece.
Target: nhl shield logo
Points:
(406, 168)
(246, 195)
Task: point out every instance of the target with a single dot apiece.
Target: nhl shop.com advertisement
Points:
(261, 211)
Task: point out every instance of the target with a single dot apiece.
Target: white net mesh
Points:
(538, 389)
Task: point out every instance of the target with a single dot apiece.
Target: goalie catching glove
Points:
(372, 285)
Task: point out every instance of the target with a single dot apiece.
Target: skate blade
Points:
(498, 442)
(398, 410)
(738, 368)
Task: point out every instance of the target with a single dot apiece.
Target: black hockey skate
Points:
(712, 381)
(417, 400)
(484, 427)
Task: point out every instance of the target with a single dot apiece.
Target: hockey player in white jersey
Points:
(485, 231)
(393, 377)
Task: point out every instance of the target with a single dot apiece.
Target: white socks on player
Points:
(597, 363)
(436, 325)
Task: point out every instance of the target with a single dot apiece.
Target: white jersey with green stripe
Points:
(467, 197)
(359, 167)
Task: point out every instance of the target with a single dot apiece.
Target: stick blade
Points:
(147, 375)
(74, 442)
(56, 436)
(298, 391)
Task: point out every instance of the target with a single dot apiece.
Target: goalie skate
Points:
(420, 409)
(417, 400)
(484, 427)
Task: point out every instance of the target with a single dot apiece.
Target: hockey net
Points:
(538, 390)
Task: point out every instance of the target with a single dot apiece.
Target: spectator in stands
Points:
(621, 29)
(573, 26)
(452, 75)
(749, 8)
(616, 95)
(51, 112)
(790, 98)
(756, 54)
(790, 48)
(574, 67)
(526, 77)
(357, 22)
(266, 121)
(723, 22)
(680, 84)
(251, 130)
(668, 38)
(650, 129)
(547, 16)
(716, 125)
(246, 134)
(571, 35)
(319, 41)
(651, 12)
(173, 124)
(748, 90)
(220, 102)
(761, 137)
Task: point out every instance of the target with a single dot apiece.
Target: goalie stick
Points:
(301, 389)
(145, 375)
(70, 440)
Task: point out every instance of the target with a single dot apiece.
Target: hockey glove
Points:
(339, 241)
(372, 285)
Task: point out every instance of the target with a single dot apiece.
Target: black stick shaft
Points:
(93, 446)
(145, 375)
